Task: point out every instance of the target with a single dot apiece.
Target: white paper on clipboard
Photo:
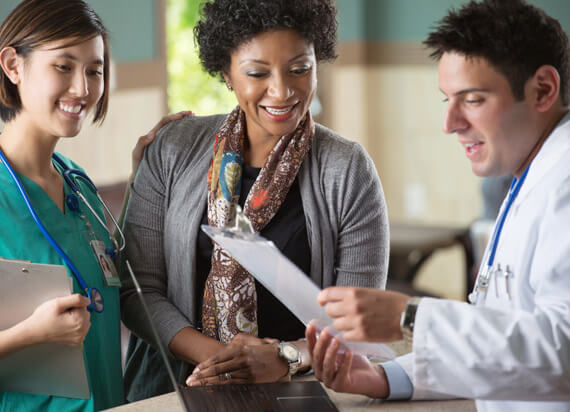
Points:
(46, 369)
(286, 282)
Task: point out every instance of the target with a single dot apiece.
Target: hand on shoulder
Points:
(148, 138)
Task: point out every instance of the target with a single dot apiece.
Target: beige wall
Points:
(396, 112)
(105, 151)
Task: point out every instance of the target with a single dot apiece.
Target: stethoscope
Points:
(70, 176)
(484, 276)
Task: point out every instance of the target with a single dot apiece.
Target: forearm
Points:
(193, 347)
(166, 317)
(16, 338)
(450, 337)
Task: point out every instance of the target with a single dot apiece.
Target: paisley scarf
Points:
(230, 300)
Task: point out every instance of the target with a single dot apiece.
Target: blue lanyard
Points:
(513, 192)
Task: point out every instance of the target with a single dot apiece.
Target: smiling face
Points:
(274, 78)
(59, 85)
(497, 131)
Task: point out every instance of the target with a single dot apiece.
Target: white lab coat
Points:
(510, 355)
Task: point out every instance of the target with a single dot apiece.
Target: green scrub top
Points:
(20, 238)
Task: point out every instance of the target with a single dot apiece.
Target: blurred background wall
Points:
(382, 92)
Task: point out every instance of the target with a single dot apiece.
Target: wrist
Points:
(282, 364)
(290, 355)
(25, 334)
(382, 389)
(408, 320)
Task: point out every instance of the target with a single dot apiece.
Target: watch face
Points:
(290, 352)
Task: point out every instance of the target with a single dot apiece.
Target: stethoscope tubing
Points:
(484, 274)
(514, 190)
(89, 291)
(67, 175)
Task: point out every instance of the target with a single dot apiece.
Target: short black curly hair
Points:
(514, 36)
(226, 24)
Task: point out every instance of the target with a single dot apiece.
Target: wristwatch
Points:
(291, 354)
(408, 320)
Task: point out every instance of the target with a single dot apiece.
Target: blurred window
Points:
(189, 86)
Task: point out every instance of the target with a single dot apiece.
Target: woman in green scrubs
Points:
(54, 72)
(21, 239)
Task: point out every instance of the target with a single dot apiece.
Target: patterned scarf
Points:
(230, 299)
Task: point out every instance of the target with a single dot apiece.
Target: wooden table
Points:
(344, 402)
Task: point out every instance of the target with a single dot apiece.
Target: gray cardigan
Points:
(345, 212)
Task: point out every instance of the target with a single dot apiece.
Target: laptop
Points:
(279, 396)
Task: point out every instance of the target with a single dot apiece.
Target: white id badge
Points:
(110, 274)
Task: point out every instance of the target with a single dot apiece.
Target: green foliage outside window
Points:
(189, 87)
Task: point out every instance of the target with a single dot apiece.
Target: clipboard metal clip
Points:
(240, 222)
(238, 228)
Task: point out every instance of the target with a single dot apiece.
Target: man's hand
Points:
(341, 370)
(365, 314)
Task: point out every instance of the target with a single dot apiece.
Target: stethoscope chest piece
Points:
(72, 202)
(96, 298)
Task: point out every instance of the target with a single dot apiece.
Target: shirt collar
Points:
(553, 148)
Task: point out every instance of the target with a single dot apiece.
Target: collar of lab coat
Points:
(553, 148)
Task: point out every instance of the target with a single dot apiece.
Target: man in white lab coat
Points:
(504, 72)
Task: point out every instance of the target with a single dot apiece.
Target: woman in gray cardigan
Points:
(315, 194)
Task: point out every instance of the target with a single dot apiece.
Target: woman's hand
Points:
(241, 364)
(341, 370)
(62, 320)
(147, 139)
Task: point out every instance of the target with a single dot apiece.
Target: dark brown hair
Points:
(32, 24)
(514, 36)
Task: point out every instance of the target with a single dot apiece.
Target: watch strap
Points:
(407, 321)
(293, 364)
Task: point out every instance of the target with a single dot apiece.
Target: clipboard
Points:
(286, 282)
(46, 369)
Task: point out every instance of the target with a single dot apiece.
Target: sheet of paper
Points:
(287, 282)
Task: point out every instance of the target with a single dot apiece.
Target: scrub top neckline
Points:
(48, 203)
